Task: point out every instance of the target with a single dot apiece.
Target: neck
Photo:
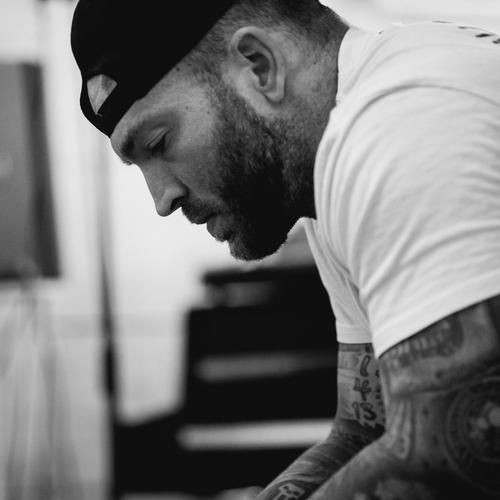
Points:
(323, 88)
(319, 100)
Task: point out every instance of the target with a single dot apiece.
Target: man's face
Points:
(230, 167)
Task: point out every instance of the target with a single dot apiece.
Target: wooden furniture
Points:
(259, 388)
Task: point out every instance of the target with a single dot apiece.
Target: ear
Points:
(256, 60)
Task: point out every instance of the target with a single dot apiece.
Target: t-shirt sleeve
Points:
(417, 188)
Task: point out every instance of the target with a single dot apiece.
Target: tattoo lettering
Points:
(364, 366)
(360, 393)
(289, 491)
(364, 411)
(363, 387)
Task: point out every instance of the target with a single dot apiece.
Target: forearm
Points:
(316, 465)
(443, 418)
(375, 473)
(359, 421)
(411, 465)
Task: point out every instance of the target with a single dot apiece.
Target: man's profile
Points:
(259, 113)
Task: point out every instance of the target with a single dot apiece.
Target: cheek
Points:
(197, 151)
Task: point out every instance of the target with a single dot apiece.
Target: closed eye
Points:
(157, 148)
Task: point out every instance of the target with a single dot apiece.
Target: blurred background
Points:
(137, 359)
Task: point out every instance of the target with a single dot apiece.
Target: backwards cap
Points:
(133, 44)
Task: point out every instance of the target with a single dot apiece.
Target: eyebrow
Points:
(127, 146)
(127, 150)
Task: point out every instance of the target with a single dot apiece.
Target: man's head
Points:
(229, 130)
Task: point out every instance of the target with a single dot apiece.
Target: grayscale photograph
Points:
(249, 250)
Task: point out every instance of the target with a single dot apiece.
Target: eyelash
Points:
(158, 148)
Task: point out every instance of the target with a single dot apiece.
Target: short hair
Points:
(302, 19)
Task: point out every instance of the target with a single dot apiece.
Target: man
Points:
(252, 114)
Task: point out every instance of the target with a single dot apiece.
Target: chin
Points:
(255, 249)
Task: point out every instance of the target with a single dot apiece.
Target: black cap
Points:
(135, 43)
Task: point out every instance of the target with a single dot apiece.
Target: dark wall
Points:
(27, 228)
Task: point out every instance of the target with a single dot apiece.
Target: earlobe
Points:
(259, 60)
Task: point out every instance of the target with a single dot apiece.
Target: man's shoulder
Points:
(412, 38)
(407, 142)
(421, 54)
(395, 126)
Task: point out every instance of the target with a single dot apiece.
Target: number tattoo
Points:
(360, 393)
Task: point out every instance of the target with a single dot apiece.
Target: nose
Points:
(167, 192)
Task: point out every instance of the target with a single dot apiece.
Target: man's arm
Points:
(442, 393)
(359, 421)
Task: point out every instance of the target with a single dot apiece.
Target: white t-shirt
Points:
(407, 181)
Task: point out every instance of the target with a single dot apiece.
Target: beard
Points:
(264, 175)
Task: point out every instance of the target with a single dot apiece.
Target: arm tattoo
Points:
(360, 393)
(358, 422)
(442, 439)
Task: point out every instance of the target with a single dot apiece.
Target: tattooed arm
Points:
(442, 395)
(358, 422)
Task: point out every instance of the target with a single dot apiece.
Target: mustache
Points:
(198, 212)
